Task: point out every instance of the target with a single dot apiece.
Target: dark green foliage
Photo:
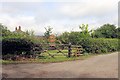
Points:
(64, 37)
(99, 45)
(118, 32)
(106, 31)
(74, 37)
(18, 43)
(16, 46)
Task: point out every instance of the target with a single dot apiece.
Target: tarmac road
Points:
(102, 66)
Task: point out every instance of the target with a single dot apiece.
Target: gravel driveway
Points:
(102, 66)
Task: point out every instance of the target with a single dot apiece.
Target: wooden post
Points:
(69, 50)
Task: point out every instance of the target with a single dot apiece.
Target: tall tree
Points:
(4, 31)
(48, 31)
(106, 31)
(84, 31)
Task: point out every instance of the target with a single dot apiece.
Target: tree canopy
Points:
(106, 31)
(48, 31)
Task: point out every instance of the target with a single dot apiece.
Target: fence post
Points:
(69, 50)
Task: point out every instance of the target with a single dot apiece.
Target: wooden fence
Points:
(60, 48)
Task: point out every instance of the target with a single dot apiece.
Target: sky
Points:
(61, 15)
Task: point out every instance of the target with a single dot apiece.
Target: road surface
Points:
(101, 66)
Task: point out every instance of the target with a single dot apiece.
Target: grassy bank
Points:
(51, 60)
(47, 60)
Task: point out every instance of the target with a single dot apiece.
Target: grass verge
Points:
(48, 59)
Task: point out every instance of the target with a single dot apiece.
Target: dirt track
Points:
(102, 66)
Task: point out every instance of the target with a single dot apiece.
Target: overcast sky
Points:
(61, 15)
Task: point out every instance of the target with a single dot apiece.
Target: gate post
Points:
(69, 50)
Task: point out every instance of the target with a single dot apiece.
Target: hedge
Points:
(16, 46)
(13, 48)
(99, 45)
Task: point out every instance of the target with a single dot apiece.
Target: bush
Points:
(99, 45)
(16, 46)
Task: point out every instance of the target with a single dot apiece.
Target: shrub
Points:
(16, 46)
(99, 45)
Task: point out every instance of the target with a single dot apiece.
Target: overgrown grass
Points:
(47, 59)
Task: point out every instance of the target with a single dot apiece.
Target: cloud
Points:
(89, 8)
(62, 16)
(21, 0)
(26, 22)
(39, 0)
